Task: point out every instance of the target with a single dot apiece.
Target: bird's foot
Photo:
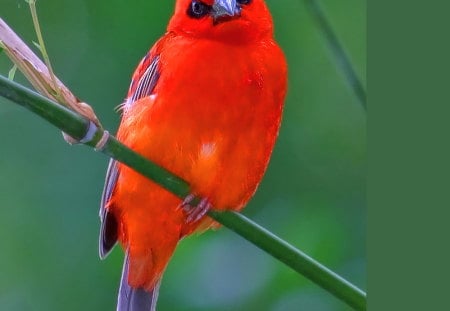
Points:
(196, 212)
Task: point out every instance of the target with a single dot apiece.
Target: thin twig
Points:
(43, 49)
(337, 50)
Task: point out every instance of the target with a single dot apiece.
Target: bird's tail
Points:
(135, 299)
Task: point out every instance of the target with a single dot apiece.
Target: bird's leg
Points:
(196, 212)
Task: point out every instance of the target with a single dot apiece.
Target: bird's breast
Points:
(213, 118)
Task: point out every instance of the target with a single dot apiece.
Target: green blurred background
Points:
(313, 194)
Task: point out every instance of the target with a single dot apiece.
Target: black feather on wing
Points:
(147, 81)
(109, 225)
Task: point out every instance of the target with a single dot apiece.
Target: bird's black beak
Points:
(225, 8)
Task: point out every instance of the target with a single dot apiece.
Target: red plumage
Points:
(206, 104)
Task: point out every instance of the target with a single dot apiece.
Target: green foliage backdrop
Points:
(313, 194)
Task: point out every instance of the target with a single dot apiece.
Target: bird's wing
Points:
(142, 84)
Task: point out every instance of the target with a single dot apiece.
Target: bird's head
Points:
(225, 20)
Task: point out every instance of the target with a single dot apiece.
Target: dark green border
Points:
(409, 171)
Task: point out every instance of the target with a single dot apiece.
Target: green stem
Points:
(77, 127)
(293, 258)
(42, 48)
(337, 50)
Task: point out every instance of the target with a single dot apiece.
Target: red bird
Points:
(206, 104)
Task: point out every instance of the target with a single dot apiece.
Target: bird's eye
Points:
(198, 9)
(244, 1)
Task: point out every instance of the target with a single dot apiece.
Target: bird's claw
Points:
(196, 212)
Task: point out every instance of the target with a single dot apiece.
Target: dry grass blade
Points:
(39, 75)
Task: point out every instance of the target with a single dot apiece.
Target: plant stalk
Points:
(78, 127)
(341, 58)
